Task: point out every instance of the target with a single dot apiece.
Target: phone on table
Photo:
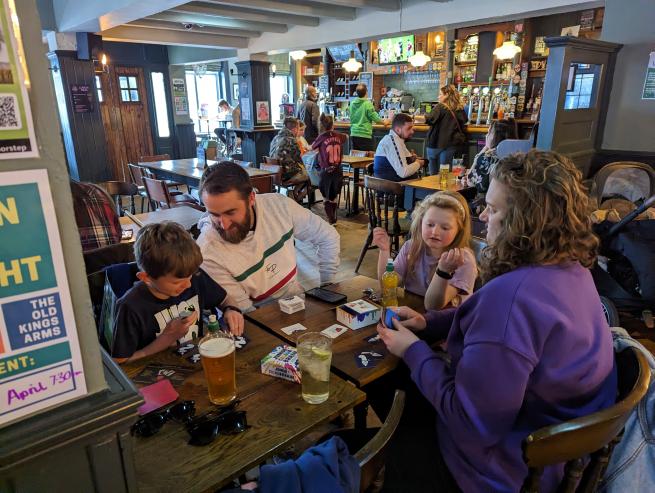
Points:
(327, 295)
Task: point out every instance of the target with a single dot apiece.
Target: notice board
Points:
(40, 362)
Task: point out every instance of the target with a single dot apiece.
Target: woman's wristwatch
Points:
(231, 307)
(443, 275)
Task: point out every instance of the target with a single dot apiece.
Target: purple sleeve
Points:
(438, 323)
(476, 405)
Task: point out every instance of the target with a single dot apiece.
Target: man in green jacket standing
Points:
(362, 118)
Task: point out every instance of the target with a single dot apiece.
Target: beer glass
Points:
(217, 355)
(315, 357)
(444, 169)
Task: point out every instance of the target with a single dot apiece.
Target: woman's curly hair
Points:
(548, 215)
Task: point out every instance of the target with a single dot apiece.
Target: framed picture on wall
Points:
(235, 92)
(263, 113)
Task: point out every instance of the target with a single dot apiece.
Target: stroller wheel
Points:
(610, 311)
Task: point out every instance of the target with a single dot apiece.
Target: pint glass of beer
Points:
(217, 356)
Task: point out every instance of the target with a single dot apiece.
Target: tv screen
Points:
(341, 53)
(395, 50)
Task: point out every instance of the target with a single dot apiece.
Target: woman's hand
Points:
(451, 260)
(397, 341)
(234, 322)
(411, 319)
(381, 240)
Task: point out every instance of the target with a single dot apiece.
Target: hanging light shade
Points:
(507, 51)
(352, 65)
(419, 58)
(298, 54)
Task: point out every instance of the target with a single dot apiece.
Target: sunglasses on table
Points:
(225, 421)
(151, 423)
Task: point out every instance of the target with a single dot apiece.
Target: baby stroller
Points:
(625, 271)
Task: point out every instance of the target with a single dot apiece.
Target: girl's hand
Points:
(381, 240)
(234, 322)
(410, 319)
(397, 341)
(451, 260)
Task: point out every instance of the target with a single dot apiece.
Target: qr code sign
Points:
(9, 114)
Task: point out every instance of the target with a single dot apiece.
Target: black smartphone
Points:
(327, 295)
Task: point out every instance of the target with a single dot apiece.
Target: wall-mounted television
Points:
(395, 50)
(341, 53)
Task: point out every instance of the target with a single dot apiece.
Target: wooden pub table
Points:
(189, 172)
(184, 215)
(356, 163)
(276, 412)
(422, 187)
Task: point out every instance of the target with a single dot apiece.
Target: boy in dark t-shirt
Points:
(165, 305)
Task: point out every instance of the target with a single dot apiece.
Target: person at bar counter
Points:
(447, 121)
(330, 153)
(308, 113)
(149, 316)
(531, 348)
(393, 161)
(362, 118)
(247, 239)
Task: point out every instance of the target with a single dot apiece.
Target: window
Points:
(129, 89)
(279, 86)
(204, 93)
(161, 106)
(582, 86)
(99, 88)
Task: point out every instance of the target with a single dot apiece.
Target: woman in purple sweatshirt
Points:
(531, 348)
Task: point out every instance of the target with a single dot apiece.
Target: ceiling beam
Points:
(386, 5)
(168, 37)
(247, 14)
(179, 26)
(209, 20)
(290, 7)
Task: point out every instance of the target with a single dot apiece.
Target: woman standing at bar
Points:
(446, 134)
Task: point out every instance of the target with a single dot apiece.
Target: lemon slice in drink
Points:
(321, 353)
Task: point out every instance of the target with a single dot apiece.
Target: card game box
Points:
(282, 362)
(358, 314)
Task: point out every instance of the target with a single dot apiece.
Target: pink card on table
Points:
(157, 395)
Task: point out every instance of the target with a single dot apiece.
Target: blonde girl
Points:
(437, 261)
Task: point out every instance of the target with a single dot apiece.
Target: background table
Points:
(422, 187)
(275, 410)
(186, 216)
(356, 163)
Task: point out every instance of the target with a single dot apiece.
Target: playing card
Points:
(372, 339)
(194, 358)
(184, 349)
(368, 359)
(154, 372)
(241, 341)
(293, 328)
(334, 331)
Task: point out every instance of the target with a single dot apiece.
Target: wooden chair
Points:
(349, 176)
(99, 258)
(289, 188)
(593, 436)
(117, 190)
(136, 175)
(158, 193)
(273, 168)
(380, 195)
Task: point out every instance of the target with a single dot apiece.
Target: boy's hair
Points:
(444, 199)
(326, 122)
(225, 177)
(400, 119)
(166, 248)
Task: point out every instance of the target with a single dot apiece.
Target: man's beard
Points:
(237, 231)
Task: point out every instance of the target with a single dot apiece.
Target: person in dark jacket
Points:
(308, 113)
(447, 121)
(330, 152)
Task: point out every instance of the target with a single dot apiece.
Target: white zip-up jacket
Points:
(263, 265)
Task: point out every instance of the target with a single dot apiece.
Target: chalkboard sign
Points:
(324, 84)
(81, 98)
(341, 53)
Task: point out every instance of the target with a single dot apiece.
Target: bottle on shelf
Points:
(390, 281)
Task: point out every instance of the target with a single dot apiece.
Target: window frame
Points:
(129, 89)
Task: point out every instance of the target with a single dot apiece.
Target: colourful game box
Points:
(282, 362)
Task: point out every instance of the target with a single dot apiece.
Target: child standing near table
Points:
(149, 316)
(436, 262)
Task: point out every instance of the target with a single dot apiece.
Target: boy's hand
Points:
(234, 322)
(178, 327)
(381, 239)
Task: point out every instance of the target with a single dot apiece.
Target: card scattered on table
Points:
(240, 341)
(154, 372)
(157, 395)
(293, 328)
(334, 331)
(373, 339)
(368, 359)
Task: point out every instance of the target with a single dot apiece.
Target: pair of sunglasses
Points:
(227, 421)
(152, 422)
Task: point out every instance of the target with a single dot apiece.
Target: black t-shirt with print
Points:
(141, 317)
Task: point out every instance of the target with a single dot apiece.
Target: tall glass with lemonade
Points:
(315, 358)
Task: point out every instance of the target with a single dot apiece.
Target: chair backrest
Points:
(510, 146)
(99, 258)
(380, 196)
(153, 158)
(118, 189)
(371, 457)
(273, 168)
(594, 435)
(136, 174)
(158, 191)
